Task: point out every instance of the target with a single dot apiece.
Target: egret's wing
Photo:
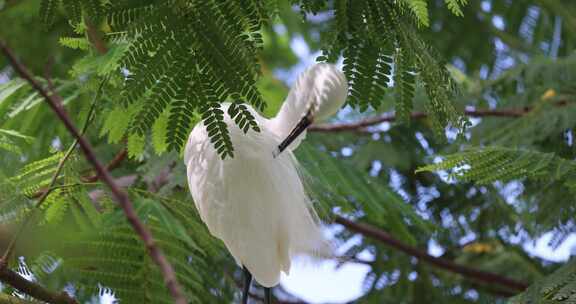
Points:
(200, 159)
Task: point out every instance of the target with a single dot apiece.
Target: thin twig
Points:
(479, 275)
(48, 75)
(91, 178)
(53, 180)
(120, 196)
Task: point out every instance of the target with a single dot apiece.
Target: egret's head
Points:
(329, 90)
(318, 94)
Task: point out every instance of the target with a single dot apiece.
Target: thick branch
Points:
(113, 164)
(120, 196)
(483, 276)
(387, 117)
(95, 38)
(35, 290)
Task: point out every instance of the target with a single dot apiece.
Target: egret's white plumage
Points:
(255, 202)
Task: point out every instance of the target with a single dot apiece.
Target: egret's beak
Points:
(304, 123)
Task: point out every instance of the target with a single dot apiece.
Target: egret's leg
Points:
(268, 295)
(247, 282)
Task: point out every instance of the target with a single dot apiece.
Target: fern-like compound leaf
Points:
(74, 10)
(420, 10)
(486, 165)
(557, 288)
(177, 49)
(48, 11)
(75, 43)
(404, 85)
(375, 35)
(243, 118)
(455, 6)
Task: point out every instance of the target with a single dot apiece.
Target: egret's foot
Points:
(247, 282)
(268, 295)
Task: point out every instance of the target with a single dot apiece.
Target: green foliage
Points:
(547, 180)
(455, 6)
(98, 249)
(373, 36)
(75, 43)
(74, 10)
(545, 88)
(486, 165)
(543, 120)
(90, 9)
(420, 9)
(180, 47)
(557, 288)
(135, 145)
(111, 255)
(242, 117)
(48, 10)
(11, 140)
(36, 175)
(337, 184)
(177, 45)
(405, 80)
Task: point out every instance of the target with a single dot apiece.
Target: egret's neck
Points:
(289, 115)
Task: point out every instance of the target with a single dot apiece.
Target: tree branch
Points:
(113, 164)
(35, 290)
(120, 196)
(479, 275)
(387, 117)
(95, 38)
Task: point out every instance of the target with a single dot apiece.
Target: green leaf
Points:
(149, 208)
(489, 164)
(159, 130)
(48, 11)
(420, 9)
(557, 288)
(136, 145)
(380, 204)
(455, 6)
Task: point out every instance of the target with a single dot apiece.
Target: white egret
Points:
(255, 202)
